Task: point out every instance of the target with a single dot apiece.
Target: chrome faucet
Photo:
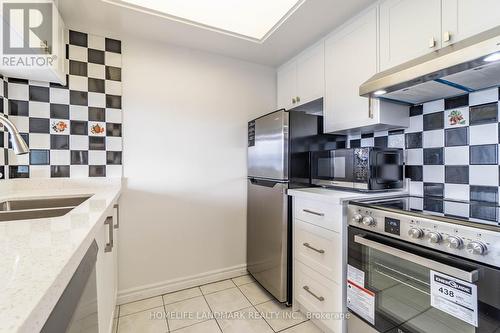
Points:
(18, 144)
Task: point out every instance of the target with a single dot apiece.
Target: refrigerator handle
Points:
(265, 182)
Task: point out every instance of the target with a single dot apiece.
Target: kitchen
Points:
(299, 166)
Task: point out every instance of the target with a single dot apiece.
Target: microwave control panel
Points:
(361, 157)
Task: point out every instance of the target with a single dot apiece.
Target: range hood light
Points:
(492, 57)
(380, 92)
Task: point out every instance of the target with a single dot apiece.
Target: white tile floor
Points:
(238, 305)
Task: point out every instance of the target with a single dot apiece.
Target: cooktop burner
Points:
(473, 211)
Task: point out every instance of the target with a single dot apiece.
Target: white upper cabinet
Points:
(408, 29)
(41, 60)
(311, 74)
(302, 79)
(287, 85)
(350, 59)
(465, 18)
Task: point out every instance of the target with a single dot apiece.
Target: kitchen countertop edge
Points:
(339, 196)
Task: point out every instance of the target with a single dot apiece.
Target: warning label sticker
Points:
(361, 301)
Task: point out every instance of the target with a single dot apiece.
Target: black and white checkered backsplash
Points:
(73, 130)
(452, 146)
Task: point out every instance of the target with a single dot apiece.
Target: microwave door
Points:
(324, 165)
(343, 165)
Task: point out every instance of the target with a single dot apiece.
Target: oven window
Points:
(402, 287)
(403, 295)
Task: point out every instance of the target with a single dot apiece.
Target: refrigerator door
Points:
(267, 235)
(268, 146)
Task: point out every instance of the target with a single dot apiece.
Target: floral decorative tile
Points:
(456, 117)
(97, 128)
(59, 126)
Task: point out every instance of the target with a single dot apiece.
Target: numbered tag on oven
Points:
(454, 296)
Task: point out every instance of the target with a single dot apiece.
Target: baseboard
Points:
(155, 289)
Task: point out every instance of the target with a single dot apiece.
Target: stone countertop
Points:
(339, 196)
(38, 257)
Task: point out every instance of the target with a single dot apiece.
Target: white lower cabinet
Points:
(319, 249)
(107, 270)
(319, 261)
(321, 297)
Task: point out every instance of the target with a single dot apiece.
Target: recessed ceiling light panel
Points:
(254, 20)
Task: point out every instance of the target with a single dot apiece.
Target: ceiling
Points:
(307, 24)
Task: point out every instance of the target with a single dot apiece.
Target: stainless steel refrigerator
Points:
(278, 159)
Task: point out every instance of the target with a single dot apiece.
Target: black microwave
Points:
(365, 169)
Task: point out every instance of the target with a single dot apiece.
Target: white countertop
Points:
(339, 196)
(38, 257)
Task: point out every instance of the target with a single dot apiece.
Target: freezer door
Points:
(268, 146)
(267, 235)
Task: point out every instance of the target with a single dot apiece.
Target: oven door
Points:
(389, 287)
(332, 168)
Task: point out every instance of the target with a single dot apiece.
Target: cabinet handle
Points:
(447, 36)
(117, 225)
(314, 249)
(312, 212)
(319, 298)
(109, 245)
(370, 108)
(432, 43)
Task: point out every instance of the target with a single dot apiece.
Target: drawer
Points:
(319, 249)
(322, 214)
(322, 297)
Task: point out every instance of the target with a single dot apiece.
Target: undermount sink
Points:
(27, 209)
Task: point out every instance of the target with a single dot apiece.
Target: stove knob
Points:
(435, 237)
(416, 233)
(476, 247)
(357, 218)
(454, 242)
(368, 221)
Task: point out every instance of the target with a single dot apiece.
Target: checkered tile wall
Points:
(73, 130)
(452, 146)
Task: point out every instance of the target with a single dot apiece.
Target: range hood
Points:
(469, 65)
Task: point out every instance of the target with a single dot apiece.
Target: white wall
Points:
(183, 209)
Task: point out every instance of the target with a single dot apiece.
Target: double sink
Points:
(26, 209)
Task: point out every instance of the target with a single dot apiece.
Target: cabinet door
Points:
(311, 74)
(465, 18)
(350, 60)
(50, 66)
(287, 85)
(106, 279)
(408, 29)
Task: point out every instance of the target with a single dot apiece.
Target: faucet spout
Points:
(18, 144)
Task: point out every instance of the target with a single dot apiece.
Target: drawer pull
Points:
(312, 212)
(314, 249)
(319, 298)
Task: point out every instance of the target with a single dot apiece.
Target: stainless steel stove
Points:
(460, 234)
(411, 269)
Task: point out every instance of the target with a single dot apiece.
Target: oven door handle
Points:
(431, 264)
